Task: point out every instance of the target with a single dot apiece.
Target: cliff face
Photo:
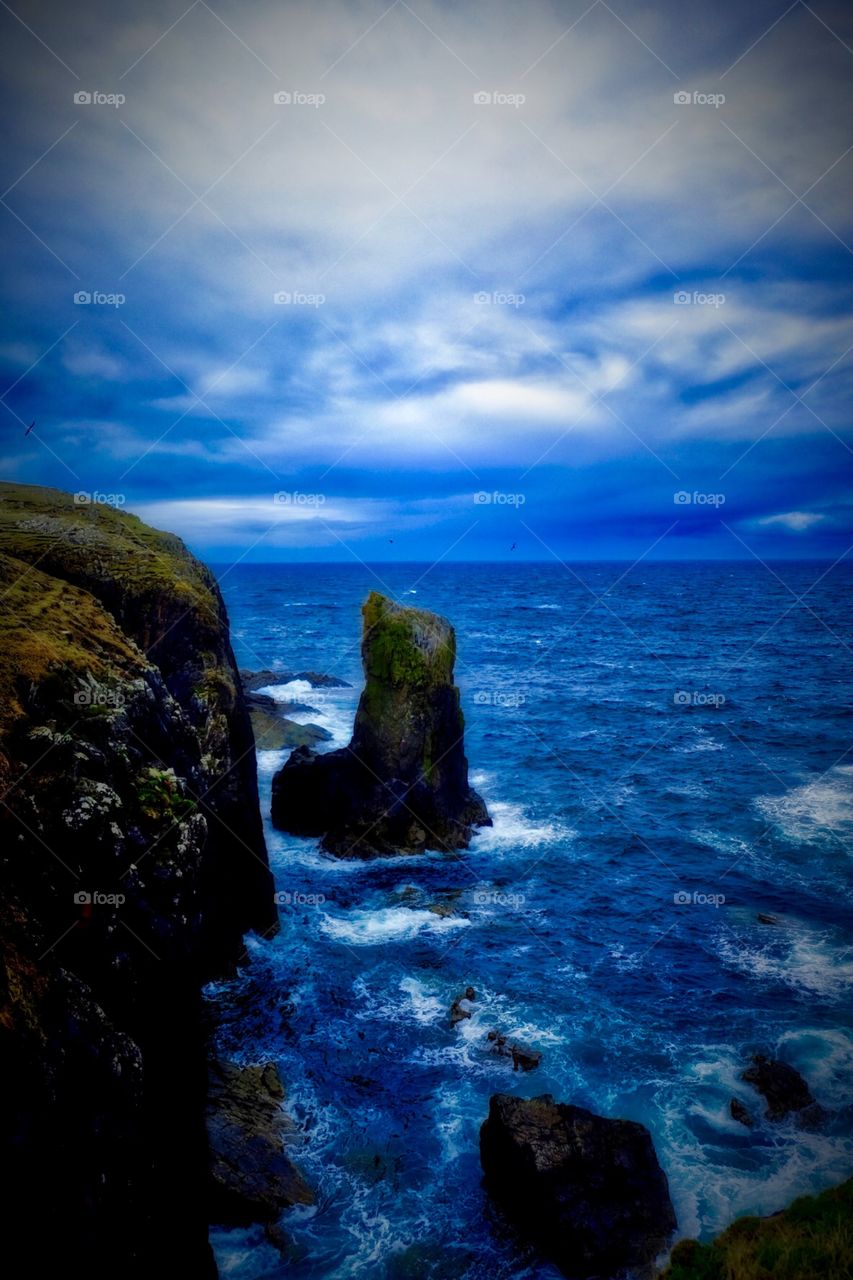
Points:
(402, 783)
(132, 863)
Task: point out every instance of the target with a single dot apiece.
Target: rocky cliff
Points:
(401, 785)
(132, 864)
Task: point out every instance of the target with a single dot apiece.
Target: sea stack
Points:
(401, 786)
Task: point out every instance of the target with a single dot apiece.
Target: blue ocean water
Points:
(665, 753)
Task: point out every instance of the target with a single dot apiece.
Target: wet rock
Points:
(782, 1087)
(587, 1190)
(764, 917)
(253, 680)
(401, 786)
(522, 1058)
(459, 1010)
(739, 1112)
(275, 733)
(252, 1179)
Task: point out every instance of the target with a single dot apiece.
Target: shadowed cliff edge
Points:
(401, 786)
(133, 863)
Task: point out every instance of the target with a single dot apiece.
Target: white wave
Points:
(512, 829)
(424, 1007)
(804, 958)
(816, 809)
(825, 1058)
(389, 924)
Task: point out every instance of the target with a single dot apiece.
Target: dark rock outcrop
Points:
(132, 863)
(275, 733)
(739, 1112)
(460, 1009)
(401, 786)
(587, 1190)
(252, 1179)
(522, 1058)
(782, 1087)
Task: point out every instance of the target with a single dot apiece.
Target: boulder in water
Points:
(587, 1190)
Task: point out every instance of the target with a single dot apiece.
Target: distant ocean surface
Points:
(665, 752)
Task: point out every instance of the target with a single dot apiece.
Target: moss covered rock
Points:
(401, 786)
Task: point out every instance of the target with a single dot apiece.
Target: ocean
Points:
(665, 752)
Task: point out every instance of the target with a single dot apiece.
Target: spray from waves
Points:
(388, 924)
(332, 709)
(511, 828)
(811, 961)
(816, 810)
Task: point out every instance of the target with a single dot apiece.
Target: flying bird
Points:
(29, 428)
(514, 545)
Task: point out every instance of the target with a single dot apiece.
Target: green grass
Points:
(811, 1240)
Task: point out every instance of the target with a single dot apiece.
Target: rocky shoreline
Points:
(134, 864)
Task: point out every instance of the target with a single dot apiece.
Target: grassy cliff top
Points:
(93, 544)
(406, 646)
(48, 626)
(811, 1240)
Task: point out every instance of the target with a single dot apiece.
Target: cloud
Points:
(795, 521)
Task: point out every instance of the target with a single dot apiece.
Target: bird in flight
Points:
(514, 545)
(30, 427)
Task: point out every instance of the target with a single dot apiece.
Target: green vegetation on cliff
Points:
(811, 1240)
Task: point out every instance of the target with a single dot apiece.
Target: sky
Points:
(357, 281)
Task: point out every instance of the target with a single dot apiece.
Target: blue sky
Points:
(532, 319)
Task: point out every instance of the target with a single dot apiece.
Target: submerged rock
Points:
(738, 1112)
(401, 786)
(764, 917)
(783, 1088)
(587, 1190)
(251, 1177)
(526, 1059)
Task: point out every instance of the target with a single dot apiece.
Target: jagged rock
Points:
(739, 1112)
(587, 1190)
(459, 1010)
(401, 786)
(252, 1179)
(783, 1088)
(274, 733)
(526, 1059)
